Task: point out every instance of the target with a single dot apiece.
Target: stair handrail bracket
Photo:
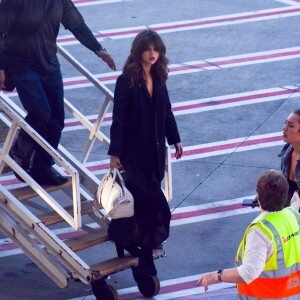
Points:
(16, 121)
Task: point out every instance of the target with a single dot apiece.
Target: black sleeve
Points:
(172, 133)
(84, 35)
(71, 17)
(73, 21)
(119, 117)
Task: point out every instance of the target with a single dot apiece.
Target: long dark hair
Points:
(297, 112)
(133, 66)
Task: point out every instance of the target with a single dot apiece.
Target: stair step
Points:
(114, 265)
(26, 192)
(52, 217)
(88, 239)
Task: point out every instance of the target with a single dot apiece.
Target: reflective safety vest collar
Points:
(280, 278)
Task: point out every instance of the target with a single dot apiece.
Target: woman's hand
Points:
(207, 279)
(179, 150)
(115, 162)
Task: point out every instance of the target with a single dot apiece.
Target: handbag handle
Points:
(116, 173)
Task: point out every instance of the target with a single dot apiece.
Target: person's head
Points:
(272, 189)
(291, 129)
(148, 46)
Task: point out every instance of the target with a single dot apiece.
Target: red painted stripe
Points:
(98, 167)
(197, 66)
(76, 123)
(206, 104)
(207, 211)
(83, 1)
(191, 67)
(235, 61)
(84, 80)
(259, 57)
(233, 100)
(231, 145)
(177, 216)
(163, 290)
(196, 23)
(227, 19)
(185, 153)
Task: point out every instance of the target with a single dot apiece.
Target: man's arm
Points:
(74, 21)
(84, 35)
(258, 249)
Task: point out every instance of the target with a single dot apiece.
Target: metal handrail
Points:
(17, 121)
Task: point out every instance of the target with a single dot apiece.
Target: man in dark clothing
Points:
(28, 32)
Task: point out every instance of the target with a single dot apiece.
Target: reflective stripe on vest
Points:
(243, 297)
(281, 275)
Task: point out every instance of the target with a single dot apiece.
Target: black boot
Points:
(21, 152)
(42, 172)
(47, 176)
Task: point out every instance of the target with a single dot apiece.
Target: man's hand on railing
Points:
(2, 78)
(106, 57)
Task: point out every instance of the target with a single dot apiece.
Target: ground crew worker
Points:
(268, 258)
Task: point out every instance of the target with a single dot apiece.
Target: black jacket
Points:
(139, 130)
(29, 28)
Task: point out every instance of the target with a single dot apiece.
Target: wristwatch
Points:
(219, 273)
(102, 49)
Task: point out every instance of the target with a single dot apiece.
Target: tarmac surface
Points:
(234, 75)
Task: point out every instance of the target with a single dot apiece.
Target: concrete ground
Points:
(234, 74)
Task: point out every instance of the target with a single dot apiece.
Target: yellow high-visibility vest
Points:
(280, 278)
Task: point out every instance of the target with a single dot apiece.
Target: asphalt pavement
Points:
(234, 75)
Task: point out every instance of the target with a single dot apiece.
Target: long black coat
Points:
(140, 126)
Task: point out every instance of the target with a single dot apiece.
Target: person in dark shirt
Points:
(28, 32)
(290, 154)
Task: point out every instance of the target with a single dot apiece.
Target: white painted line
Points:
(80, 3)
(208, 104)
(178, 287)
(289, 2)
(195, 24)
(195, 66)
(180, 216)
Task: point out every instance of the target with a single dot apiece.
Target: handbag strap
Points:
(118, 173)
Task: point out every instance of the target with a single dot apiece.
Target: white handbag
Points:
(114, 197)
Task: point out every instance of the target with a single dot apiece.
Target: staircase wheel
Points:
(106, 292)
(148, 285)
(103, 291)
